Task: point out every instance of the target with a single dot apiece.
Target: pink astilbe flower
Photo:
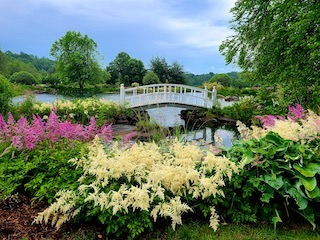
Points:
(296, 112)
(24, 135)
(106, 133)
(128, 137)
(269, 120)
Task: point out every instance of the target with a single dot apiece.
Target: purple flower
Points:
(128, 137)
(296, 112)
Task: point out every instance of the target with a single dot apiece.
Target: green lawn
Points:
(201, 231)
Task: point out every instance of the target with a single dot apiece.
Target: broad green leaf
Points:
(273, 180)
(308, 214)
(274, 138)
(266, 197)
(308, 182)
(300, 200)
(298, 185)
(259, 150)
(315, 193)
(247, 158)
(309, 171)
(293, 157)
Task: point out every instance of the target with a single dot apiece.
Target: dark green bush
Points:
(41, 172)
(150, 78)
(23, 77)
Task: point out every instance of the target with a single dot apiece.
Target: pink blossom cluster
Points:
(295, 113)
(24, 135)
(269, 120)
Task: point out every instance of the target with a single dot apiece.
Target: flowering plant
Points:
(126, 188)
(23, 135)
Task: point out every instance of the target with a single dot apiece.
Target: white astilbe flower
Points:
(214, 219)
(143, 177)
(220, 164)
(287, 129)
(172, 209)
(61, 211)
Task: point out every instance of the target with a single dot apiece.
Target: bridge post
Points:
(122, 94)
(214, 95)
(205, 92)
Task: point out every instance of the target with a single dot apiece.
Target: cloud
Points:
(183, 30)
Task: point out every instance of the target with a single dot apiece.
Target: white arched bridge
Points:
(150, 96)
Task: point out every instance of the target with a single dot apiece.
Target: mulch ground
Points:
(16, 222)
(17, 215)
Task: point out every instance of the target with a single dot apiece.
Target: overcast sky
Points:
(186, 31)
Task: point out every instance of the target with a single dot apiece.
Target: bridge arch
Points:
(179, 95)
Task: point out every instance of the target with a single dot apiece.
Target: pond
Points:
(164, 116)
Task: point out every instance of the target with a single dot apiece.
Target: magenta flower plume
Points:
(269, 120)
(128, 137)
(296, 112)
(23, 135)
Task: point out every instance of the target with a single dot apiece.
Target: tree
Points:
(77, 59)
(173, 73)
(150, 78)
(160, 67)
(279, 41)
(6, 94)
(23, 77)
(222, 78)
(197, 80)
(126, 70)
(176, 73)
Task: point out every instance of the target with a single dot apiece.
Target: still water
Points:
(164, 116)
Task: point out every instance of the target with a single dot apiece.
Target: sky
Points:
(186, 31)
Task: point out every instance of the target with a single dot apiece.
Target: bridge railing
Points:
(169, 93)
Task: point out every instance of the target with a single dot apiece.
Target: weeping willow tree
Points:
(279, 40)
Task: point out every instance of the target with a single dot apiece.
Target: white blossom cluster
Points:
(153, 178)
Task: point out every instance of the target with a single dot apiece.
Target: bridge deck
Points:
(167, 94)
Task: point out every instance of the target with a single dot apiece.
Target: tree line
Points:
(76, 62)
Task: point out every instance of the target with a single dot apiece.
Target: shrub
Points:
(6, 94)
(150, 78)
(23, 77)
(280, 176)
(81, 110)
(41, 172)
(243, 110)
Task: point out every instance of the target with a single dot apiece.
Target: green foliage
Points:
(41, 172)
(243, 110)
(197, 79)
(150, 78)
(278, 181)
(6, 94)
(126, 70)
(77, 110)
(173, 73)
(39, 63)
(76, 57)
(23, 77)
(24, 108)
(279, 42)
(224, 79)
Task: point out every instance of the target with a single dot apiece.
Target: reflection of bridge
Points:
(149, 96)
